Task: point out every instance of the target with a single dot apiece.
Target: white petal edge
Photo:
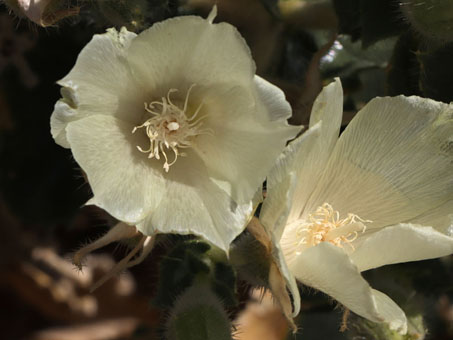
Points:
(99, 83)
(328, 268)
(288, 276)
(190, 48)
(295, 174)
(400, 243)
(281, 182)
(63, 114)
(328, 109)
(272, 101)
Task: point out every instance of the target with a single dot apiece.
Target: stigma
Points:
(171, 128)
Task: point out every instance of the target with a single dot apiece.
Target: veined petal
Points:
(230, 162)
(189, 49)
(124, 182)
(329, 269)
(231, 113)
(400, 243)
(99, 83)
(440, 218)
(297, 170)
(328, 109)
(193, 204)
(392, 163)
(281, 182)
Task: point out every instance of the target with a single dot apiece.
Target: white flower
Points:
(382, 193)
(172, 127)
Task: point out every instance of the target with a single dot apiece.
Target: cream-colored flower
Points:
(172, 127)
(382, 193)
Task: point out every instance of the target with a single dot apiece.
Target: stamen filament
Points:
(172, 128)
(324, 225)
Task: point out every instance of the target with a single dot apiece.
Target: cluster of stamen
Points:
(170, 128)
(325, 225)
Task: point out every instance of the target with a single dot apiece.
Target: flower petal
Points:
(193, 204)
(393, 162)
(288, 276)
(124, 181)
(328, 109)
(235, 122)
(272, 101)
(297, 170)
(329, 269)
(190, 48)
(282, 180)
(440, 218)
(63, 114)
(99, 83)
(400, 243)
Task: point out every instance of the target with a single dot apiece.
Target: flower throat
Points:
(171, 128)
(323, 225)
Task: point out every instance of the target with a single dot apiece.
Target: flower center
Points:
(324, 225)
(170, 128)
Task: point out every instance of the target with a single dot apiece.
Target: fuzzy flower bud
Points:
(198, 314)
(41, 12)
(433, 19)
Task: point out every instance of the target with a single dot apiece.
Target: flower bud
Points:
(361, 328)
(198, 314)
(42, 12)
